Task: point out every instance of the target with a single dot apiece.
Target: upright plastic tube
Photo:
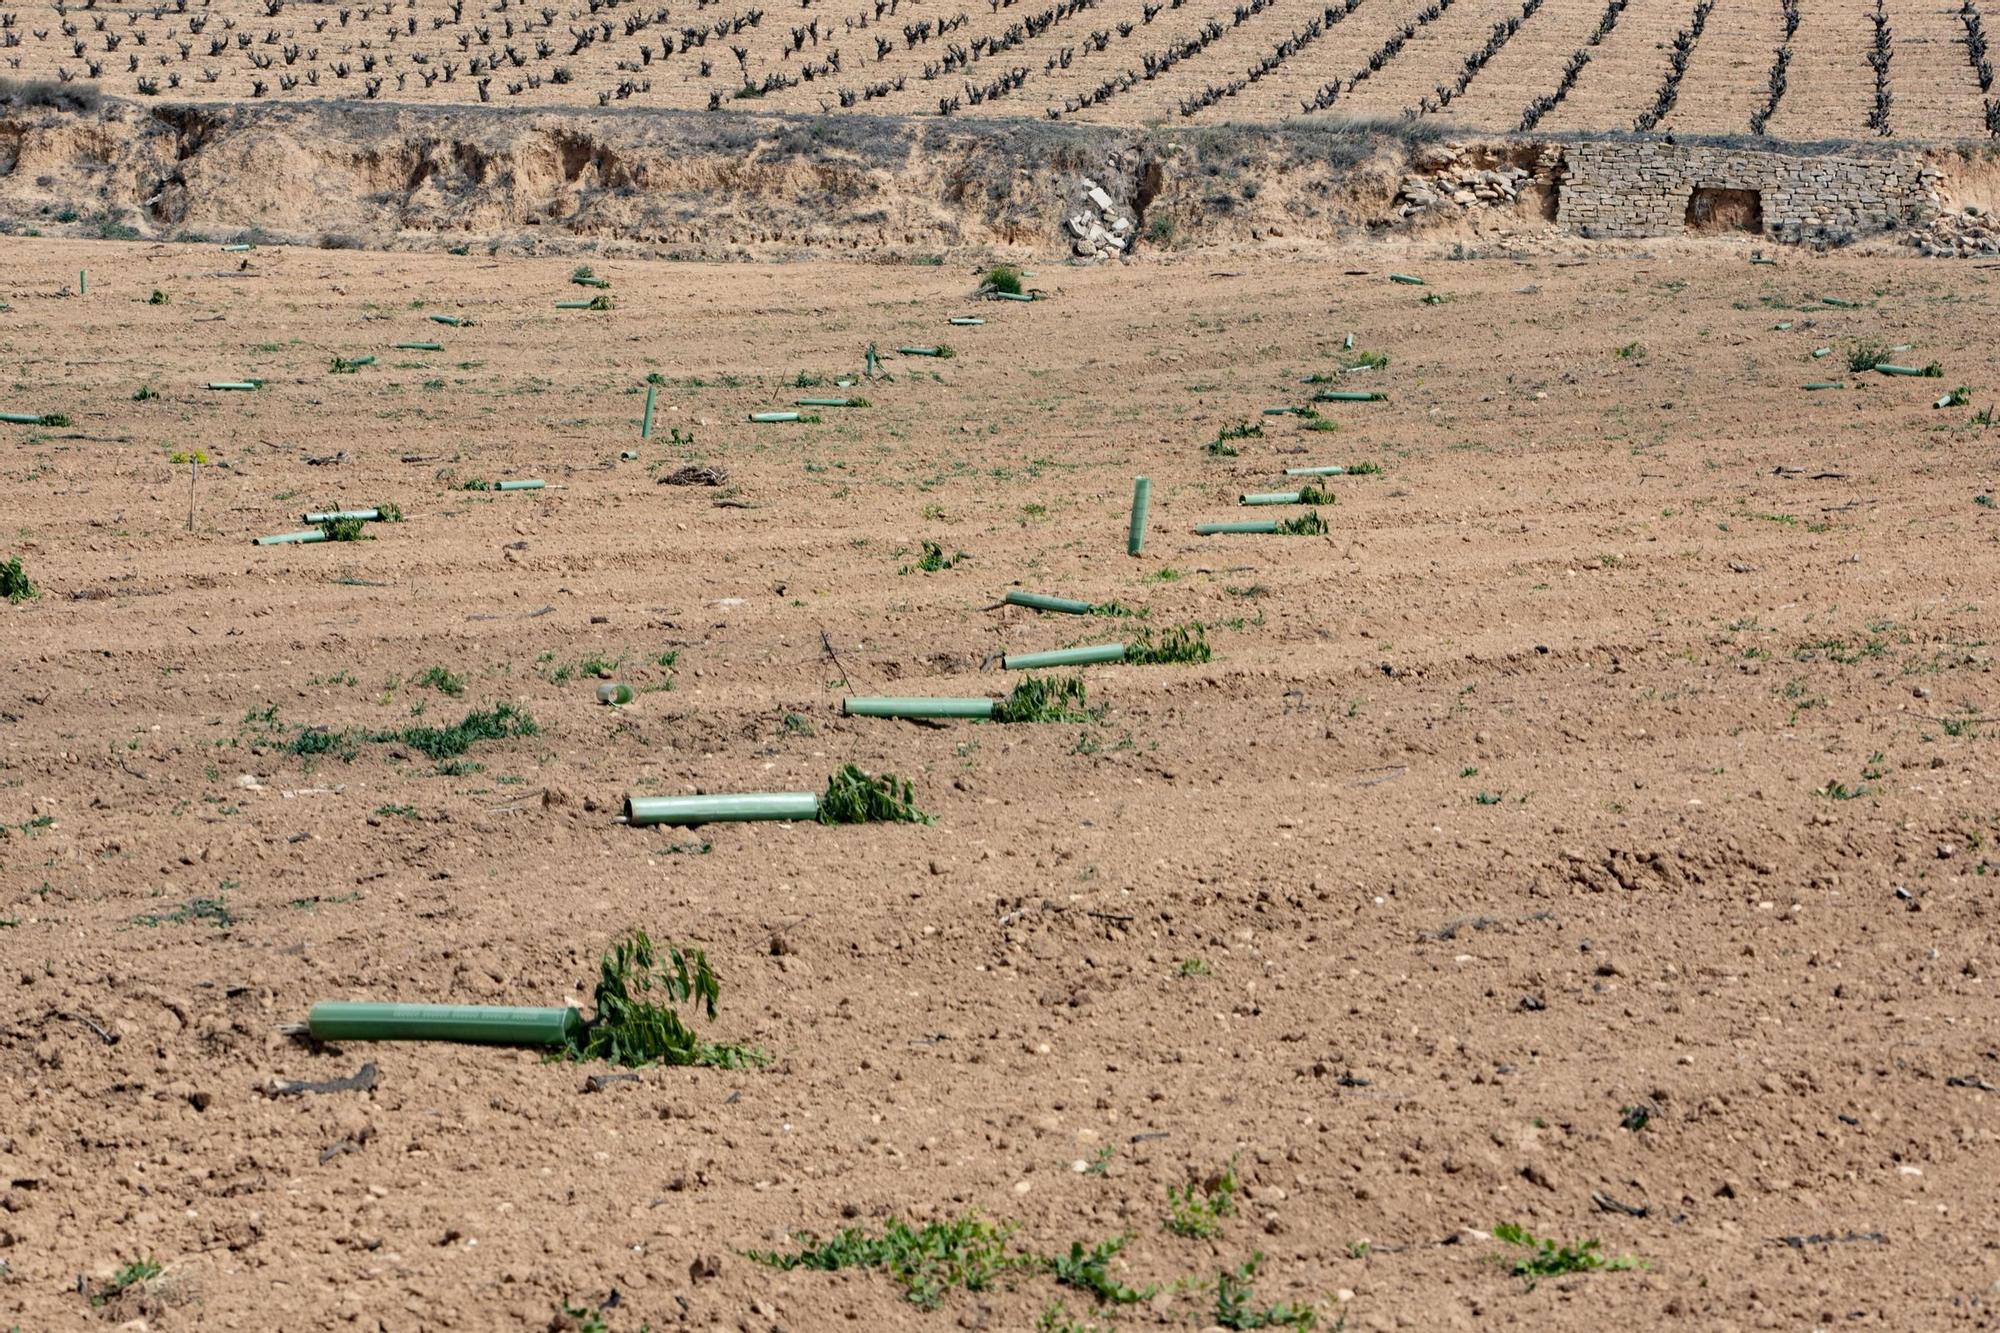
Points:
(1039, 601)
(892, 707)
(1268, 498)
(1251, 525)
(646, 421)
(1142, 500)
(524, 484)
(329, 515)
(1102, 652)
(752, 806)
(491, 1024)
(305, 538)
(1350, 396)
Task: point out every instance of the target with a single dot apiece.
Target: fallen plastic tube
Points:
(360, 360)
(1012, 296)
(1142, 500)
(1817, 385)
(767, 418)
(965, 321)
(825, 402)
(1350, 396)
(890, 707)
(1335, 470)
(646, 421)
(234, 249)
(493, 1024)
(21, 418)
(1284, 411)
(1407, 279)
(1039, 601)
(329, 515)
(920, 351)
(237, 386)
(293, 538)
(525, 484)
(1839, 304)
(747, 808)
(613, 693)
(1101, 652)
(1251, 525)
(420, 347)
(1942, 402)
(1756, 259)
(1819, 352)
(577, 305)
(1886, 369)
(1268, 498)
(455, 321)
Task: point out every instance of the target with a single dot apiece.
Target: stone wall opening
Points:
(1712, 209)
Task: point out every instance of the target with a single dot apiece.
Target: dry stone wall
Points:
(1616, 188)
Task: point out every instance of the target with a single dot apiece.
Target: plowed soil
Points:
(1592, 832)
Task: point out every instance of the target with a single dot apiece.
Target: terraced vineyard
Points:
(1789, 70)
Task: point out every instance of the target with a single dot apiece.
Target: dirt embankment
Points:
(674, 184)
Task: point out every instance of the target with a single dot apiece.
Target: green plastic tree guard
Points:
(1817, 385)
(1839, 304)
(614, 694)
(419, 347)
(1268, 498)
(890, 707)
(1039, 601)
(492, 1024)
(1819, 352)
(525, 484)
(1013, 296)
(234, 249)
(83, 282)
(1251, 525)
(21, 418)
(573, 305)
(307, 537)
(1142, 500)
(361, 361)
(770, 418)
(646, 421)
(237, 386)
(1336, 470)
(752, 806)
(1350, 396)
(965, 321)
(1886, 369)
(1942, 402)
(329, 515)
(1101, 652)
(918, 351)
(1283, 411)
(455, 321)
(1407, 279)
(824, 402)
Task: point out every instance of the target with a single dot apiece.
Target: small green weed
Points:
(1192, 967)
(1236, 1302)
(1089, 1270)
(1199, 1206)
(212, 910)
(129, 1275)
(158, 298)
(1631, 351)
(345, 530)
(1865, 356)
(933, 560)
(441, 680)
(400, 811)
(927, 1262)
(1545, 1258)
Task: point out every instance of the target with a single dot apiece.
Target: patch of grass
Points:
(854, 797)
(1198, 1207)
(1177, 644)
(1545, 1258)
(496, 723)
(1236, 1302)
(1366, 361)
(1045, 699)
(933, 559)
(927, 1262)
(441, 680)
(1004, 278)
(1487, 798)
(1308, 524)
(1192, 967)
(128, 1275)
(638, 1020)
(1982, 500)
(1319, 424)
(1088, 1269)
(1631, 351)
(15, 585)
(212, 910)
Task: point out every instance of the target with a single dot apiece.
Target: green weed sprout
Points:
(1545, 1258)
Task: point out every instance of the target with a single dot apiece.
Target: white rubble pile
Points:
(1462, 187)
(1956, 235)
(1104, 233)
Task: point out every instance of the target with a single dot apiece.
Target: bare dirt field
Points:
(1592, 832)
